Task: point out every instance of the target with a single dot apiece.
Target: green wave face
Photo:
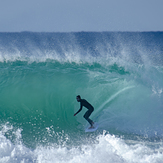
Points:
(40, 98)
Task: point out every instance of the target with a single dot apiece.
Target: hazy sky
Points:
(80, 15)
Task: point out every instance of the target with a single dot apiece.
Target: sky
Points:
(80, 15)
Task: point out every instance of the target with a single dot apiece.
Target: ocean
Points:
(119, 73)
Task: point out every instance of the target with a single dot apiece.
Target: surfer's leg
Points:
(86, 116)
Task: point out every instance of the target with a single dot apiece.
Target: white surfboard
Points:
(92, 129)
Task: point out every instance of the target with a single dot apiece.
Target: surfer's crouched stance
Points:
(90, 108)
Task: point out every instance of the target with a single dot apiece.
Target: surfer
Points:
(90, 108)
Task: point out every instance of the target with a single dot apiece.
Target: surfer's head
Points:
(78, 98)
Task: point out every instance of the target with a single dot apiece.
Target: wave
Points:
(40, 95)
(119, 73)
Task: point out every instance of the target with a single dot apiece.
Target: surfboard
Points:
(92, 129)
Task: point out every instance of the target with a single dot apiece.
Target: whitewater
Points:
(119, 73)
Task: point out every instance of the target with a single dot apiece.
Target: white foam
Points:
(108, 149)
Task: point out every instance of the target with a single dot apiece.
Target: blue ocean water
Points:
(119, 73)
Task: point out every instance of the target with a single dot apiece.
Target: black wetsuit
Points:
(90, 108)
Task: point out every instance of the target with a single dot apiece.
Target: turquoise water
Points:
(40, 76)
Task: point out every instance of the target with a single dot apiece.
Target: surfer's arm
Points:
(78, 110)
